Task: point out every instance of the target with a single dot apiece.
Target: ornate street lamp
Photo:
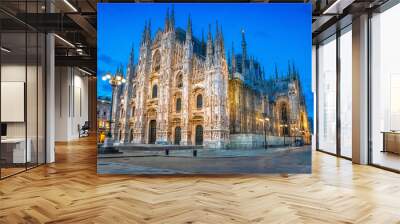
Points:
(114, 80)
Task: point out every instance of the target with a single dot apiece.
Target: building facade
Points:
(103, 113)
(185, 91)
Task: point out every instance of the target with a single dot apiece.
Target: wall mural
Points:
(204, 88)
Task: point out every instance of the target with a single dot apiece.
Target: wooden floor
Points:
(70, 191)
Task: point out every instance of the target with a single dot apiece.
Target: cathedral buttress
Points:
(142, 89)
(186, 88)
(165, 76)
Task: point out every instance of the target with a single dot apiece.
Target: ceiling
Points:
(75, 23)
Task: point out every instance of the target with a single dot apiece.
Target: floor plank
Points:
(70, 191)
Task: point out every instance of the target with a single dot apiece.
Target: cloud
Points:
(107, 60)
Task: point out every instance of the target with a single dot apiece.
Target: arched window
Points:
(154, 91)
(199, 101)
(156, 61)
(178, 105)
(179, 82)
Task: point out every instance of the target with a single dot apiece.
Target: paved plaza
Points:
(272, 160)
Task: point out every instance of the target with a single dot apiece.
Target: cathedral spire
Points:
(276, 72)
(203, 44)
(209, 46)
(131, 64)
(172, 19)
(229, 61)
(294, 72)
(144, 33)
(222, 42)
(131, 57)
(148, 33)
(217, 46)
(233, 60)
(166, 28)
(189, 29)
(244, 54)
(216, 30)
(209, 37)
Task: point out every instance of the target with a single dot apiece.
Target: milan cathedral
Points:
(187, 91)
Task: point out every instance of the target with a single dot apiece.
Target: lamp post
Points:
(114, 80)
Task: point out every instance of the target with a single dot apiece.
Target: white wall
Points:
(71, 102)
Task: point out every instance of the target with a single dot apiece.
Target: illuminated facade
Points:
(185, 91)
(103, 113)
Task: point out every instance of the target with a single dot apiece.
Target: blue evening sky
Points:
(275, 33)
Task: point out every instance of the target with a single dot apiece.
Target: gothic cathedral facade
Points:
(185, 91)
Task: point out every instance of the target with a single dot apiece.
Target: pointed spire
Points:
(216, 29)
(172, 19)
(229, 61)
(217, 46)
(222, 41)
(244, 53)
(144, 33)
(289, 69)
(276, 72)
(148, 33)
(209, 52)
(233, 60)
(120, 70)
(203, 44)
(293, 71)
(209, 37)
(132, 56)
(243, 38)
(166, 28)
(189, 29)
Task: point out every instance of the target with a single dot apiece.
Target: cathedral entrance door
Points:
(152, 132)
(199, 135)
(177, 136)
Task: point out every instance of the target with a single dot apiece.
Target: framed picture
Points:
(204, 88)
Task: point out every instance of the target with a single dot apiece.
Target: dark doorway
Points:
(152, 132)
(177, 136)
(199, 135)
(131, 136)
